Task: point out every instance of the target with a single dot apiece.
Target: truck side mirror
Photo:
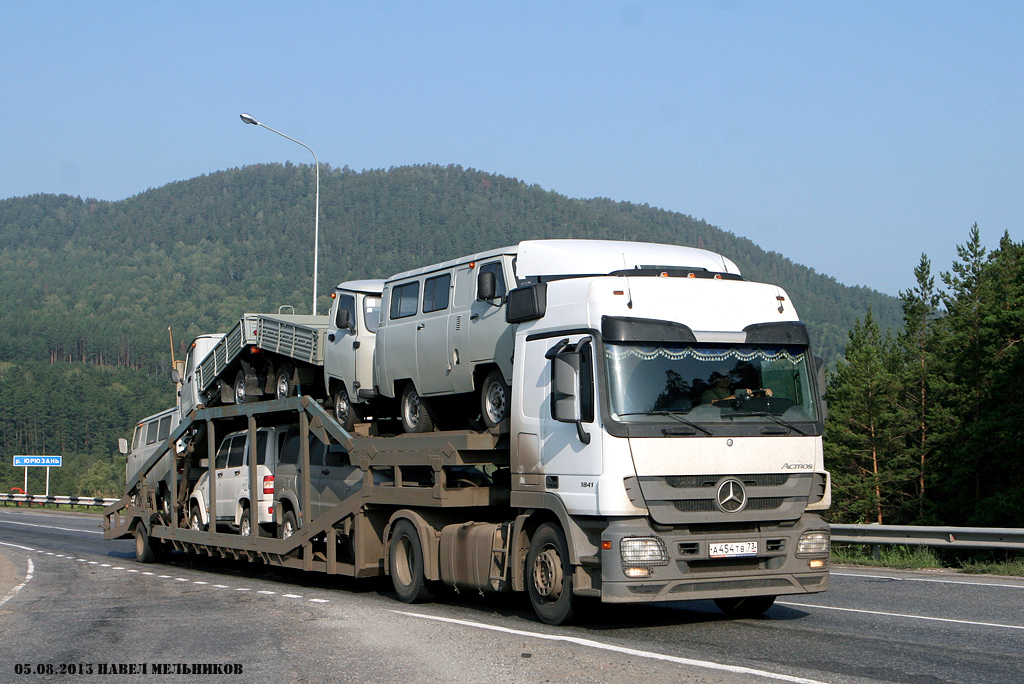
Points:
(570, 385)
(175, 376)
(122, 446)
(486, 285)
(527, 303)
(822, 385)
(344, 319)
(204, 463)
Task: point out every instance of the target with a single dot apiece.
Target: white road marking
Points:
(264, 591)
(620, 649)
(319, 601)
(900, 615)
(18, 546)
(28, 576)
(290, 596)
(927, 579)
(51, 527)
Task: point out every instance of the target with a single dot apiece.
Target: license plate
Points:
(733, 549)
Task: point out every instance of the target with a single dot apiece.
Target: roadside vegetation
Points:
(925, 558)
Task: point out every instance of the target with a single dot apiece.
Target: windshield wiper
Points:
(771, 416)
(671, 414)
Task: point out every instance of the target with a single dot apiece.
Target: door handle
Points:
(331, 337)
(220, 474)
(474, 317)
(325, 472)
(420, 326)
(237, 471)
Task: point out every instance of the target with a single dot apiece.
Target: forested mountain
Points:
(91, 287)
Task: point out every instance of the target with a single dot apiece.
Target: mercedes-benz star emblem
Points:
(732, 498)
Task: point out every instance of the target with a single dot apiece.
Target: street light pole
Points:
(248, 118)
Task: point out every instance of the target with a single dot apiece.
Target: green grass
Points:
(924, 558)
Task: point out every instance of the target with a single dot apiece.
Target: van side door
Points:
(433, 366)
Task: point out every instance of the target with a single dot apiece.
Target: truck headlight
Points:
(640, 555)
(813, 543)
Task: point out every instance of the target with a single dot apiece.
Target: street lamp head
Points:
(248, 118)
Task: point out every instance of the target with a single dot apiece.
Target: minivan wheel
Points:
(494, 399)
(416, 414)
(288, 526)
(343, 411)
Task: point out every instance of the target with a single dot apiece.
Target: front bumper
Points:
(691, 573)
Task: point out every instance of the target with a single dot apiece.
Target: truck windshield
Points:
(710, 383)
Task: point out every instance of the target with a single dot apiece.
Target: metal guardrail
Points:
(1005, 538)
(52, 499)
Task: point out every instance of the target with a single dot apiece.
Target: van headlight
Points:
(640, 555)
(813, 543)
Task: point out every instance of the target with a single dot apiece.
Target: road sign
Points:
(48, 461)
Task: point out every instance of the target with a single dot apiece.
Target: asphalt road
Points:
(72, 602)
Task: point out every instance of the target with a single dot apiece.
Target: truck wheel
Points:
(416, 415)
(283, 385)
(343, 411)
(406, 564)
(549, 575)
(288, 526)
(494, 399)
(241, 395)
(745, 606)
(195, 520)
(143, 551)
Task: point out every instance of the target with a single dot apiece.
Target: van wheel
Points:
(343, 411)
(745, 606)
(288, 526)
(549, 575)
(195, 520)
(283, 385)
(416, 414)
(494, 399)
(406, 564)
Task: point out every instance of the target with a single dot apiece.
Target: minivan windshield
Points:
(710, 383)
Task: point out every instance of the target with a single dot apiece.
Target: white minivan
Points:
(442, 333)
(231, 466)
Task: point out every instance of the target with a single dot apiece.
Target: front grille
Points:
(691, 499)
(697, 481)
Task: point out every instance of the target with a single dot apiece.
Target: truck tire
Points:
(284, 385)
(242, 396)
(288, 526)
(415, 410)
(405, 562)
(549, 575)
(343, 411)
(144, 552)
(745, 606)
(495, 398)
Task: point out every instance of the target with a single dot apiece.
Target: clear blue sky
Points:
(850, 137)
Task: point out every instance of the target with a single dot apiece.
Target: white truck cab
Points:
(348, 359)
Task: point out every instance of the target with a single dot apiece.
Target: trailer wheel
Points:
(494, 399)
(406, 564)
(143, 551)
(745, 606)
(283, 385)
(549, 575)
(288, 526)
(416, 414)
(343, 411)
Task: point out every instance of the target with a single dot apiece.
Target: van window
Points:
(435, 293)
(337, 456)
(404, 298)
(261, 448)
(316, 451)
(165, 428)
(346, 303)
(371, 313)
(237, 451)
(499, 277)
(151, 429)
(137, 437)
(288, 446)
(222, 454)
